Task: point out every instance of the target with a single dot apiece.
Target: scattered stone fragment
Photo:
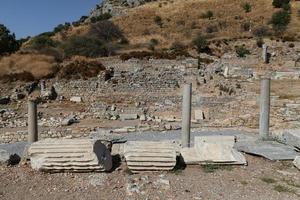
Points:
(76, 99)
(125, 117)
(297, 162)
(69, 120)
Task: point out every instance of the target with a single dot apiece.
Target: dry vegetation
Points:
(20, 66)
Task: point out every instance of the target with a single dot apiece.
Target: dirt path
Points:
(261, 179)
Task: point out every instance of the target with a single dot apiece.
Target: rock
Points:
(143, 118)
(163, 183)
(8, 159)
(18, 96)
(297, 162)
(199, 115)
(125, 117)
(68, 121)
(4, 100)
(50, 94)
(75, 155)
(76, 99)
(168, 126)
(113, 108)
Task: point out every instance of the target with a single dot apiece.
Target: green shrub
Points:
(286, 7)
(8, 42)
(201, 43)
(158, 20)
(280, 20)
(246, 26)
(261, 31)
(247, 7)
(84, 46)
(61, 27)
(41, 41)
(104, 16)
(280, 3)
(208, 14)
(241, 51)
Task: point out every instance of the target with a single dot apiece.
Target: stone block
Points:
(150, 156)
(76, 99)
(199, 115)
(125, 117)
(75, 155)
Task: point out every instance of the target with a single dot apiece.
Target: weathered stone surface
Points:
(124, 117)
(4, 157)
(297, 162)
(76, 99)
(77, 155)
(150, 156)
(269, 149)
(199, 115)
(213, 149)
(289, 136)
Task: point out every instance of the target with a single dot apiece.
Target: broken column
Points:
(265, 53)
(75, 155)
(264, 108)
(150, 156)
(32, 121)
(186, 115)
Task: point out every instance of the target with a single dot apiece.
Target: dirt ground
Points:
(261, 179)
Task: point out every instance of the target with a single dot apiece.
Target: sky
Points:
(32, 17)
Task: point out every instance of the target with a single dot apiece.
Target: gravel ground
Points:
(261, 179)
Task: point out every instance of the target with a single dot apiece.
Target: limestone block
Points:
(150, 156)
(297, 162)
(213, 149)
(199, 115)
(75, 155)
(124, 117)
(76, 99)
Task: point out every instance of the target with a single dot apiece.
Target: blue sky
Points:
(31, 17)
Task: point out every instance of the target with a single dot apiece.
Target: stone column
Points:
(186, 115)
(43, 85)
(264, 108)
(32, 121)
(265, 53)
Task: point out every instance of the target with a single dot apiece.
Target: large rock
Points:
(150, 156)
(75, 155)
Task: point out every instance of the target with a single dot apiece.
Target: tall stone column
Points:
(32, 121)
(264, 120)
(186, 115)
(265, 53)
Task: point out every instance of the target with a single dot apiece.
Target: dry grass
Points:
(182, 20)
(38, 65)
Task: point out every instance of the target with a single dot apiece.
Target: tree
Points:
(280, 20)
(280, 3)
(201, 43)
(8, 42)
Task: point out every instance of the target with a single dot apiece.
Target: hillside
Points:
(183, 20)
(155, 26)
